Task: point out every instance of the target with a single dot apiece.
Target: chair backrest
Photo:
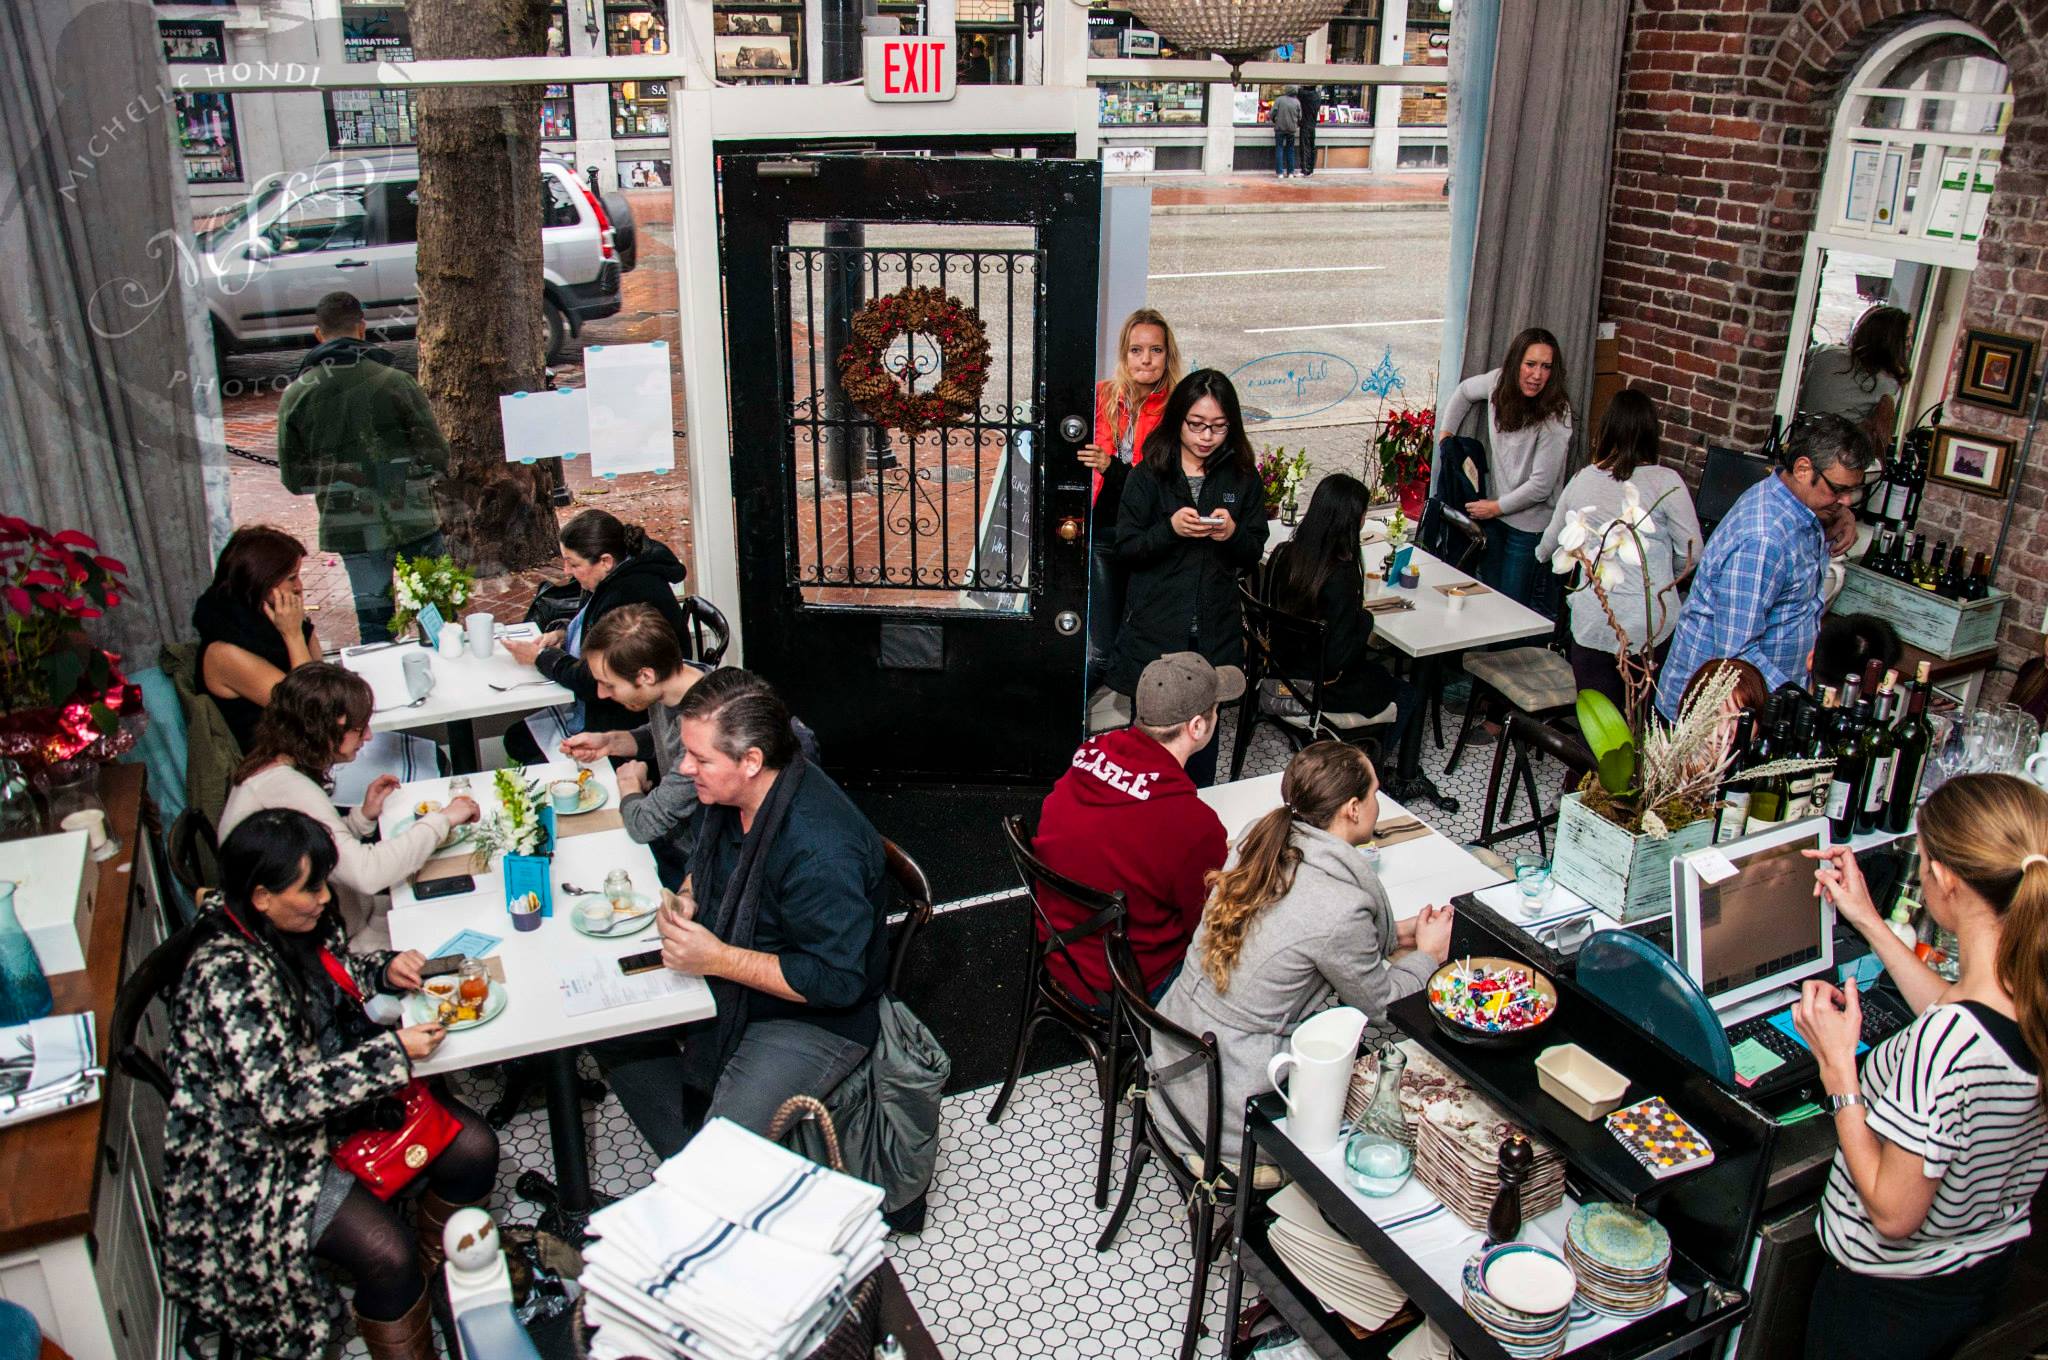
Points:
(1104, 909)
(1465, 532)
(709, 633)
(1727, 474)
(914, 895)
(1271, 635)
(153, 980)
(1183, 1052)
(194, 852)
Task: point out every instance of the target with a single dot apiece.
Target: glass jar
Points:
(1378, 1158)
(472, 989)
(72, 788)
(24, 990)
(618, 889)
(19, 814)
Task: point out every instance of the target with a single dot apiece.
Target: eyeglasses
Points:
(1842, 493)
(1206, 426)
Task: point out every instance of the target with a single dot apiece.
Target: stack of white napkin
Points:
(740, 1250)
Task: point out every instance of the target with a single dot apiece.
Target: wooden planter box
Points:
(1947, 628)
(1628, 877)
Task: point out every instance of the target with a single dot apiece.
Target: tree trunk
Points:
(481, 330)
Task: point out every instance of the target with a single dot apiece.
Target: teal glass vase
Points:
(24, 991)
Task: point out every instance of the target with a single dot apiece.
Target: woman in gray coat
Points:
(1296, 922)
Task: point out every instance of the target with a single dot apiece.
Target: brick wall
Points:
(1727, 107)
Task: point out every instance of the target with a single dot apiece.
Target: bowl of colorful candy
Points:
(1491, 1003)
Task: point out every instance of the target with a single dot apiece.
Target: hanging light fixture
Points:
(1236, 30)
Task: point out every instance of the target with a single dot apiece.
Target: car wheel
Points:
(558, 331)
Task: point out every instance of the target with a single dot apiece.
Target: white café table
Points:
(462, 692)
(1427, 871)
(535, 1023)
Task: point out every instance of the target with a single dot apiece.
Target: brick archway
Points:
(1727, 112)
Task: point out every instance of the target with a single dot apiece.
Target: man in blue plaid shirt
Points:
(1757, 595)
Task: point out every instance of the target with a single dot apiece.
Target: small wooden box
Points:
(1947, 628)
(56, 886)
(1628, 877)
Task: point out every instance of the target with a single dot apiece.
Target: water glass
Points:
(1532, 876)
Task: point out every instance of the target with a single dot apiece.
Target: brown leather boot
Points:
(409, 1338)
(434, 1213)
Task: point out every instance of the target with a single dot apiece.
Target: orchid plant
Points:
(516, 828)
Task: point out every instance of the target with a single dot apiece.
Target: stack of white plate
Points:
(1457, 1155)
(1329, 1264)
(1522, 1295)
(1622, 1257)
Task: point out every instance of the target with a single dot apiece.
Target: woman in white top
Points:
(319, 717)
(1664, 552)
(1861, 381)
(1529, 419)
(1943, 1140)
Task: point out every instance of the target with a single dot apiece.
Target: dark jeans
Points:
(1105, 612)
(1856, 1317)
(1283, 153)
(1510, 565)
(775, 1060)
(369, 580)
(1201, 765)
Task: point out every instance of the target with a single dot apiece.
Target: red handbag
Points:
(386, 1160)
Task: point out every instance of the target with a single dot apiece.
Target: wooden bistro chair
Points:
(1046, 998)
(707, 634)
(914, 895)
(1201, 1181)
(1293, 703)
(1534, 680)
(1462, 534)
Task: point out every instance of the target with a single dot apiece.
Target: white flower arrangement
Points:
(417, 582)
(516, 827)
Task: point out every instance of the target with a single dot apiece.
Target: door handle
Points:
(353, 264)
(1074, 430)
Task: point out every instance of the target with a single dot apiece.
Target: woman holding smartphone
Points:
(1128, 405)
(1193, 517)
(1942, 1139)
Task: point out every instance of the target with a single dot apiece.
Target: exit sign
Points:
(907, 70)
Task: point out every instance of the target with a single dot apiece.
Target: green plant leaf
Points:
(1618, 770)
(61, 671)
(1613, 745)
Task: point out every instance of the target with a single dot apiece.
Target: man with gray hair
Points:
(1757, 596)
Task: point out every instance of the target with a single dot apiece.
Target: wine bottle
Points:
(1770, 799)
(1847, 786)
(1909, 763)
(1950, 586)
(1879, 551)
(1979, 583)
(1880, 745)
(1925, 574)
(1735, 791)
(1905, 565)
(1775, 443)
(1805, 790)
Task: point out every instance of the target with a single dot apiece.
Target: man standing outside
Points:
(1126, 817)
(1286, 126)
(358, 436)
(1311, 101)
(1757, 596)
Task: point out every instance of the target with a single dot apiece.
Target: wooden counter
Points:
(48, 1165)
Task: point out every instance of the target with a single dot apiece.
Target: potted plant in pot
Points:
(1281, 474)
(1401, 453)
(1657, 787)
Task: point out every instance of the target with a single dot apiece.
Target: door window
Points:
(558, 203)
(330, 220)
(400, 204)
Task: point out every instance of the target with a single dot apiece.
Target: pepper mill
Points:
(1517, 1158)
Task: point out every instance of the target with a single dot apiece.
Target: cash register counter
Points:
(1787, 1256)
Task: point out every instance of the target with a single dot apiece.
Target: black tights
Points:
(372, 1242)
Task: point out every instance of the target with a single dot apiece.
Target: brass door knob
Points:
(1070, 528)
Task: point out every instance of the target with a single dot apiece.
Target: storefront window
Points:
(1114, 33)
(640, 108)
(758, 44)
(380, 30)
(990, 43)
(632, 30)
(204, 122)
(1341, 105)
(648, 173)
(1133, 103)
(558, 112)
(1427, 43)
(1355, 34)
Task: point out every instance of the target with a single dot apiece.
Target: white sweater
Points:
(1528, 464)
(365, 871)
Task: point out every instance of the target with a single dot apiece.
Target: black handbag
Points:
(554, 606)
(1463, 475)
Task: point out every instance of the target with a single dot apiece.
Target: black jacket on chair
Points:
(1182, 585)
(647, 577)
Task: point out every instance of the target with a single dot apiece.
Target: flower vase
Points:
(24, 990)
(529, 874)
(1414, 493)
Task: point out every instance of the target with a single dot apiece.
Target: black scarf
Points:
(733, 917)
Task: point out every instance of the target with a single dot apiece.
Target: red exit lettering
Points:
(912, 67)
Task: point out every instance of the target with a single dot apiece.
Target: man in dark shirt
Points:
(782, 913)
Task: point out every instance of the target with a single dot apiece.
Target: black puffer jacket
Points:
(647, 577)
(1181, 586)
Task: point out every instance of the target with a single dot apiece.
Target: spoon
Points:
(393, 708)
(521, 685)
(622, 921)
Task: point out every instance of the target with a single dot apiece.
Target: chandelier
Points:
(1235, 30)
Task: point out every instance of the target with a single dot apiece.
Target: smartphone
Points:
(640, 963)
(426, 890)
(447, 963)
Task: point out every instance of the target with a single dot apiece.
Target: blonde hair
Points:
(1124, 398)
(1991, 831)
(1319, 781)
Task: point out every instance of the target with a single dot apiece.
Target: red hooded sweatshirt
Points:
(1126, 816)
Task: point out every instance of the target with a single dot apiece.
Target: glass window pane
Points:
(1127, 103)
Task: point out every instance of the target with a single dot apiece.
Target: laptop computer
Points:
(1748, 928)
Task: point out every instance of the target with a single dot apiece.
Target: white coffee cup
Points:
(483, 628)
(1454, 603)
(1322, 1053)
(418, 668)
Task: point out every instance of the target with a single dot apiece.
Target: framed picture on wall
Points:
(1995, 371)
(1974, 462)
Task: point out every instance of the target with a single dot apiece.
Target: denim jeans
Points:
(1283, 153)
(369, 580)
(1510, 565)
(1105, 612)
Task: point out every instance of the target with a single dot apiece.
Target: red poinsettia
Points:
(61, 697)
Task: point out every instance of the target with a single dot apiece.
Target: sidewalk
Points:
(1326, 191)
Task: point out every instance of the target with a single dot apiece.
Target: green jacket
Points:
(358, 435)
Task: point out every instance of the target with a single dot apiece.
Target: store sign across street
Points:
(909, 70)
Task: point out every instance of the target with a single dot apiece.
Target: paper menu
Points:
(594, 983)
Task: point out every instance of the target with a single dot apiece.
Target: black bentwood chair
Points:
(1047, 999)
(1201, 1179)
(914, 895)
(1293, 702)
(1526, 739)
(707, 632)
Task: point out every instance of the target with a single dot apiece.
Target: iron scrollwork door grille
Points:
(947, 511)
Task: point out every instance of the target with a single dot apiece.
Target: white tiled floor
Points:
(1005, 1267)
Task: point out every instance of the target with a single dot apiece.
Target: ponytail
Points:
(596, 533)
(2023, 955)
(1318, 782)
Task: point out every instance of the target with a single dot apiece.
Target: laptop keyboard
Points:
(1776, 1032)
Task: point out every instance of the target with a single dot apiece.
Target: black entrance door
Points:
(919, 600)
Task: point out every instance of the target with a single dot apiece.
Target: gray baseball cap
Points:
(1183, 685)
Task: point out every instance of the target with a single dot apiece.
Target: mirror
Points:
(1851, 288)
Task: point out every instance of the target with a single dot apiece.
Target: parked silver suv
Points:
(353, 224)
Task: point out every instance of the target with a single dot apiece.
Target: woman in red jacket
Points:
(1127, 407)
